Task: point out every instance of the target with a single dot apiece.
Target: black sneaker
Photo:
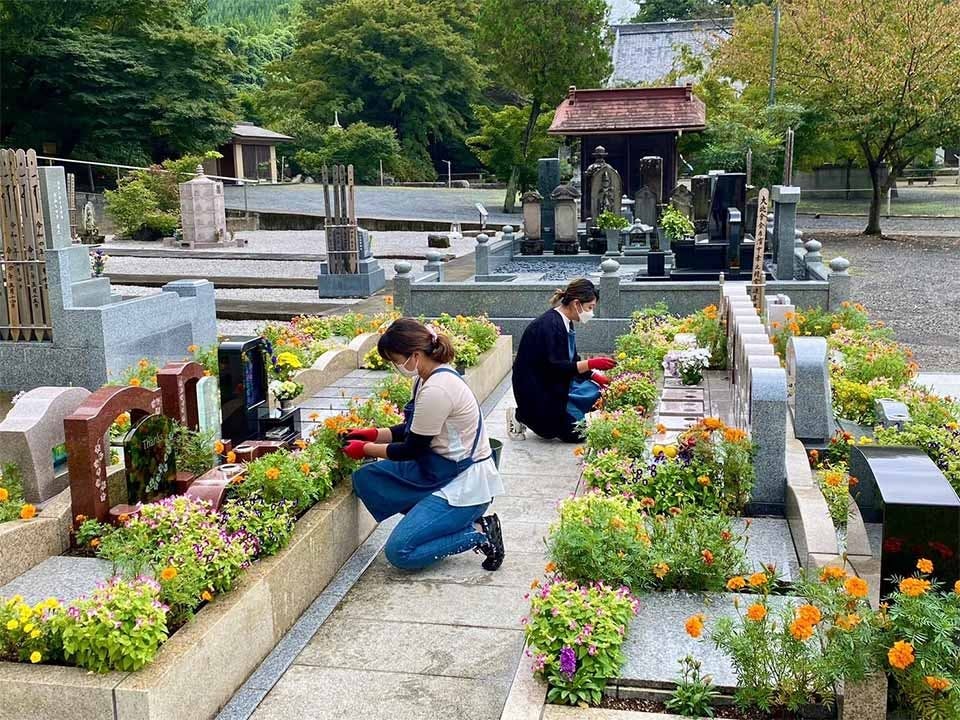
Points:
(493, 547)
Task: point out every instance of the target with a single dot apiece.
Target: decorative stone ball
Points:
(798, 237)
(433, 256)
(813, 246)
(483, 239)
(839, 264)
(403, 267)
(609, 266)
(507, 229)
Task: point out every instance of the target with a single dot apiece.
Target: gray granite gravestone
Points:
(682, 200)
(548, 178)
(785, 201)
(208, 405)
(700, 189)
(651, 175)
(768, 428)
(809, 372)
(646, 207)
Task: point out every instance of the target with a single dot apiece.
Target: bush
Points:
(576, 635)
(625, 430)
(710, 334)
(676, 225)
(278, 477)
(130, 204)
(358, 144)
(271, 523)
(630, 390)
(855, 401)
(193, 450)
(12, 501)
(395, 389)
(29, 633)
(119, 627)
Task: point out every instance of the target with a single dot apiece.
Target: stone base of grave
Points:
(531, 247)
(566, 247)
(365, 283)
(198, 669)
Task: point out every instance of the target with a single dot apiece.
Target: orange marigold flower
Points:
(707, 557)
(578, 451)
(535, 584)
(313, 416)
(28, 512)
(794, 328)
(925, 566)
(758, 579)
(615, 433)
(5, 495)
(736, 583)
(775, 325)
(757, 612)
(550, 567)
(218, 447)
(801, 630)
(192, 348)
(835, 326)
(661, 428)
(734, 435)
(123, 519)
(712, 423)
(832, 572)
(856, 587)
(901, 655)
(648, 502)
(914, 587)
(80, 518)
(694, 625)
(704, 480)
(725, 535)
(168, 573)
(809, 614)
(305, 468)
(143, 364)
(300, 443)
(206, 596)
(95, 543)
(848, 622)
(956, 587)
(661, 569)
(273, 473)
(135, 382)
(231, 457)
(937, 684)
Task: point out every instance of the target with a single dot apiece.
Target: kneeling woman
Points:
(553, 387)
(438, 469)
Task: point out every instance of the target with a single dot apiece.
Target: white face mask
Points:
(585, 315)
(402, 369)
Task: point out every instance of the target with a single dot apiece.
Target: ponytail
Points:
(405, 336)
(580, 289)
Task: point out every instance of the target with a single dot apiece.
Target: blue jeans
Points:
(432, 530)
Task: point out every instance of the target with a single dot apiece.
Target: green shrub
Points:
(394, 388)
(676, 225)
(194, 450)
(11, 493)
(625, 430)
(358, 144)
(130, 204)
(271, 523)
(277, 477)
(630, 390)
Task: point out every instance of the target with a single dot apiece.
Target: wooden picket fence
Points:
(24, 298)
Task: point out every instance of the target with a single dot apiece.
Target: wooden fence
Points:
(24, 300)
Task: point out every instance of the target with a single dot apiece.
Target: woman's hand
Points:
(354, 449)
(600, 379)
(369, 434)
(601, 363)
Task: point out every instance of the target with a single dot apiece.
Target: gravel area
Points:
(298, 242)
(261, 294)
(913, 285)
(548, 270)
(238, 327)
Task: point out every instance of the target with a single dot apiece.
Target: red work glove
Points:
(600, 379)
(354, 449)
(367, 434)
(601, 363)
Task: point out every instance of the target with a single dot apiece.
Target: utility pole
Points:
(773, 54)
(449, 165)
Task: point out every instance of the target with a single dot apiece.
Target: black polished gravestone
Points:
(920, 511)
(729, 191)
(243, 387)
(150, 463)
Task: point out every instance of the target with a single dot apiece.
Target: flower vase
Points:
(286, 404)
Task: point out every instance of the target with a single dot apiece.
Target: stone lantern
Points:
(204, 219)
(565, 220)
(532, 243)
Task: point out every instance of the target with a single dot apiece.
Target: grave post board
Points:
(87, 455)
(920, 511)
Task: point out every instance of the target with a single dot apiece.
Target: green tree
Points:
(539, 49)
(360, 145)
(499, 142)
(661, 10)
(884, 75)
(122, 80)
(402, 63)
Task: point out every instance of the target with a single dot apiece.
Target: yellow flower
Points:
(925, 566)
(300, 443)
(135, 382)
(848, 622)
(660, 570)
(143, 364)
(28, 512)
(832, 572)
(35, 657)
(937, 684)
(901, 655)
(694, 625)
(288, 359)
(914, 587)
(4, 494)
(35, 634)
(657, 450)
(231, 457)
(28, 627)
(192, 348)
(12, 624)
(206, 596)
(273, 473)
(757, 612)
(736, 583)
(856, 587)
(670, 451)
(168, 573)
(621, 356)
(704, 480)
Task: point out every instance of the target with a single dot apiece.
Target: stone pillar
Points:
(785, 199)
(839, 279)
(548, 178)
(866, 699)
(651, 175)
(809, 369)
(609, 305)
(532, 243)
(481, 255)
(238, 159)
(434, 264)
(768, 423)
(402, 294)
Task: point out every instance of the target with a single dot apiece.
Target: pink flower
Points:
(592, 650)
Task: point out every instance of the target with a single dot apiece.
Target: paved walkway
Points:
(440, 643)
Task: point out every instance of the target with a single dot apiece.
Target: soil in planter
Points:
(720, 711)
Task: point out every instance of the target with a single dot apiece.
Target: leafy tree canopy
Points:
(360, 145)
(499, 142)
(661, 10)
(113, 80)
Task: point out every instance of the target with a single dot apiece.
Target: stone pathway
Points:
(440, 643)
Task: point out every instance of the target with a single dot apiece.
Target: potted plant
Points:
(612, 224)
(285, 391)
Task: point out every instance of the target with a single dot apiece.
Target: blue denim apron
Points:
(583, 394)
(388, 487)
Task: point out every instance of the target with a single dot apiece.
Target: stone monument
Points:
(204, 219)
(604, 185)
(646, 207)
(701, 186)
(350, 269)
(532, 243)
(651, 175)
(564, 200)
(548, 178)
(808, 372)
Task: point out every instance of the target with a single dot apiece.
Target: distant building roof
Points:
(646, 52)
(249, 131)
(629, 110)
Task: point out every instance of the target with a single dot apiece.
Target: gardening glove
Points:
(354, 449)
(601, 363)
(600, 379)
(368, 434)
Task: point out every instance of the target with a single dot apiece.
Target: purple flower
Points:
(568, 662)
(592, 650)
